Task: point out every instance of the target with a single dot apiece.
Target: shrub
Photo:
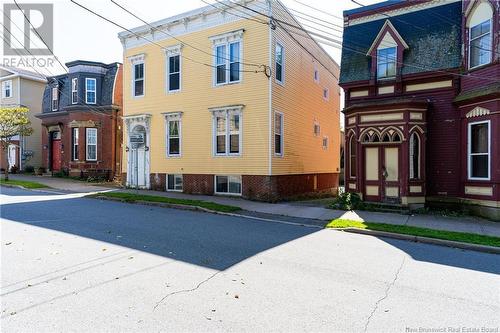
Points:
(40, 170)
(29, 169)
(14, 169)
(348, 201)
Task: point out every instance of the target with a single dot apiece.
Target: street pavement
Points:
(85, 265)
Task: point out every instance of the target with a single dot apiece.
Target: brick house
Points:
(81, 119)
(422, 90)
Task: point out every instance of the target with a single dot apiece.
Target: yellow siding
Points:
(197, 96)
(31, 96)
(301, 101)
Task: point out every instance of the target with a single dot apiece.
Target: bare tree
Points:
(13, 121)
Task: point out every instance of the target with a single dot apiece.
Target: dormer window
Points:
(55, 98)
(480, 44)
(90, 91)
(74, 90)
(386, 63)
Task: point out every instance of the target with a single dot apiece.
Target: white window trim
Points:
(174, 190)
(282, 81)
(172, 52)
(87, 130)
(411, 156)
(229, 193)
(173, 116)
(282, 135)
(74, 83)
(325, 137)
(469, 160)
(54, 99)
(87, 79)
(143, 79)
(4, 89)
(73, 142)
(227, 111)
(228, 62)
(395, 63)
(491, 44)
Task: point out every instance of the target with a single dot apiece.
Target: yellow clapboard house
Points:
(219, 101)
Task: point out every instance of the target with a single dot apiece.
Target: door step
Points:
(386, 207)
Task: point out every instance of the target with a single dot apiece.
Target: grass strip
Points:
(417, 231)
(132, 197)
(23, 183)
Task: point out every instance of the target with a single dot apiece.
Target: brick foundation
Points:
(198, 184)
(158, 181)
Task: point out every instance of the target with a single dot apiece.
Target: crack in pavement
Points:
(386, 294)
(186, 290)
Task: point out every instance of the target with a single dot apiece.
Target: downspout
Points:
(270, 134)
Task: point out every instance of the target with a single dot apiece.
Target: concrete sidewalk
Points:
(294, 209)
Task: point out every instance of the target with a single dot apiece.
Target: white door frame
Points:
(131, 122)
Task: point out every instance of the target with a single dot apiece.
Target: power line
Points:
(319, 10)
(178, 39)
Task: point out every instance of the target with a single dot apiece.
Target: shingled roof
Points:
(434, 42)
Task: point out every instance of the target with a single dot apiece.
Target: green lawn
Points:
(416, 231)
(131, 197)
(23, 183)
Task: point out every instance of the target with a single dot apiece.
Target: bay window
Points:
(479, 149)
(414, 156)
(91, 144)
(352, 157)
(74, 143)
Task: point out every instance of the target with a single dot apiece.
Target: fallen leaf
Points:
(13, 313)
(104, 249)
(8, 243)
(236, 296)
(65, 278)
(129, 258)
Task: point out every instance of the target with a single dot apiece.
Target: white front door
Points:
(12, 156)
(138, 167)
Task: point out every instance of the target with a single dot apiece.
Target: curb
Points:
(420, 239)
(205, 210)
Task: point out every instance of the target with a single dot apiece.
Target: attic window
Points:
(386, 63)
(480, 44)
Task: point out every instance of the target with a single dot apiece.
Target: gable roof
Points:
(26, 74)
(436, 46)
(381, 35)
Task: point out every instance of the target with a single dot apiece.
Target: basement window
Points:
(228, 185)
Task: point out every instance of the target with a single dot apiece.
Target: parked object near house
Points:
(81, 119)
(23, 88)
(249, 112)
(422, 95)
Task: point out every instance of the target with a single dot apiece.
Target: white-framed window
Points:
(479, 150)
(325, 142)
(278, 133)
(480, 44)
(74, 90)
(174, 183)
(227, 62)
(91, 144)
(138, 79)
(74, 143)
(228, 185)
(55, 98)
(280, 63)
(326, 94)
(174, 73)
(352, 156)
(316, 129)
(174, 136)
(90, 90)
(414, 156)
(227, 133)
(386, 62)
(7, 89)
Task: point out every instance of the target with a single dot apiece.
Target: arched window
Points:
(414, 156)
(352, 157)
(396, 138)
(366, 138)
(375, 138)
(386, 138)
(480, 24)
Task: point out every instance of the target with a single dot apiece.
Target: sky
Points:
(79, 34)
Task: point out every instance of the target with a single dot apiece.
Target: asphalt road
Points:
(77, 264)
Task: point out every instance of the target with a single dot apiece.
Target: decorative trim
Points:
(479, 190)
(386, 90)
(173, 50)
(232, 108)
(382, 117)
(358, 93)
(429, 85)
(379, 36)
(137, 59)
(351, 120)
(228, 37)
(477, 112)
(416, 116)
(416, 189)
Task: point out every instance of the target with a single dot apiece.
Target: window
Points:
(55, 98)
(74, 145)
(316, 75)
(227, 140)
(414, 156)
(90, 91)
(278, 133)
(316, 129)
(91, 144)
(479, 150)
(174, 73)
(325, 142)
(386, 62)
(352, 157)
(227, 63)
(74, 90)
(174, 183)
(7, 89)
(228, 185)
(174, 137)
(480, 44)
(326, 94)
(138, 84)
(280, 69)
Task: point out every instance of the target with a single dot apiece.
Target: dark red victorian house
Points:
(81, 117)
(422, 101)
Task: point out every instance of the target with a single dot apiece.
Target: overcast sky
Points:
(80, 35)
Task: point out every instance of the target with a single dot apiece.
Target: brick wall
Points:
(198, 184)
(158, 181)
